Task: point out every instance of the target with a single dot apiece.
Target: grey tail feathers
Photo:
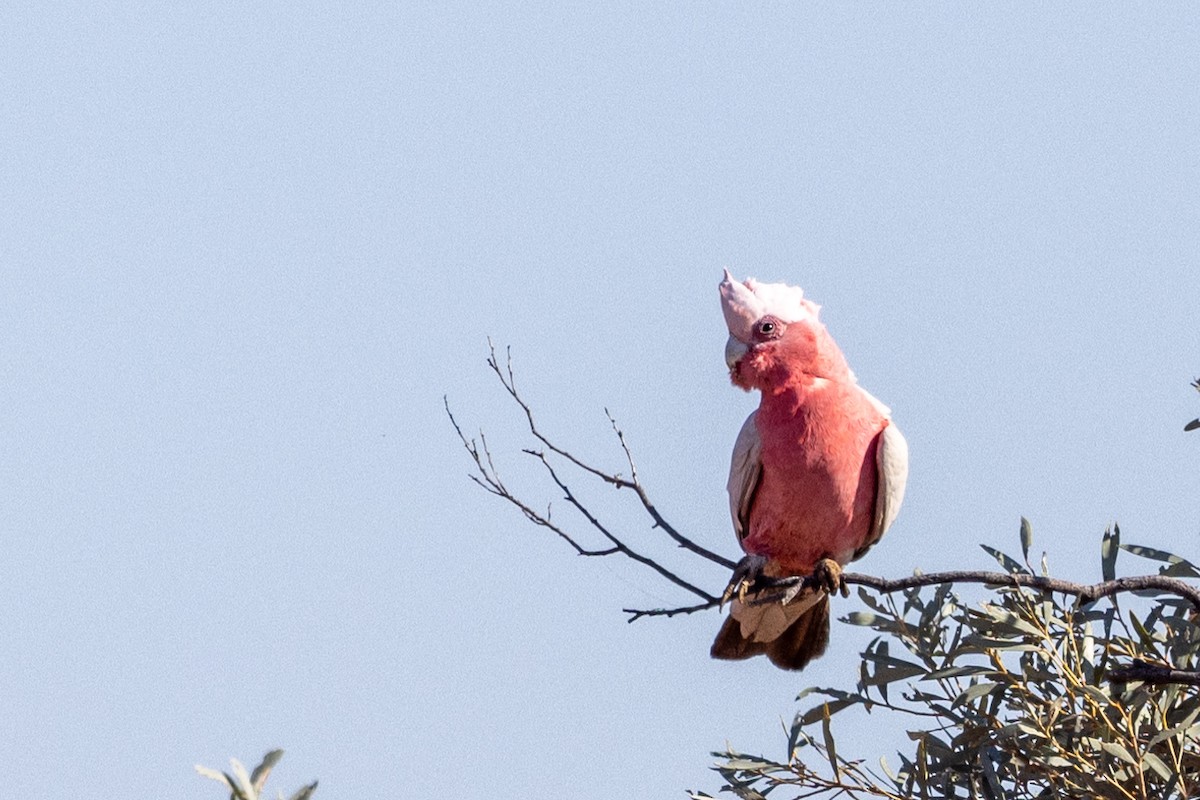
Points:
(803, 640)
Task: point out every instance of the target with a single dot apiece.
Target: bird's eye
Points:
(766, 328)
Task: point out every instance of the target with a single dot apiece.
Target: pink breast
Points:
(817, 493)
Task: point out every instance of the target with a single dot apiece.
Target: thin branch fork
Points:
(489, 479)
(618, 545)
(508, 380)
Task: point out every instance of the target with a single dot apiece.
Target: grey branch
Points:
(1146, 672)
(774, 590)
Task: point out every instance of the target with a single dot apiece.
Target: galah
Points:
(817, 475)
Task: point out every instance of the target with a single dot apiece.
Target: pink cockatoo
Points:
(817, 476)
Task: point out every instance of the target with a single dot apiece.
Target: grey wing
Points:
(745, 469)
(891, 462)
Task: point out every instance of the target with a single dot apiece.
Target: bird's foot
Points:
(828, 575)
(747, 573)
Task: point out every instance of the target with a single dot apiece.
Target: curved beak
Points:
(734, 350)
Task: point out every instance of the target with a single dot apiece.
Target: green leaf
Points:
(1155, 763)
(1191, 426)
(1001, 617)
(748, 764)
(1096, 693)
(1087, 650)
(1182, 728)
(960, 672)
(1143, 633)
(833, 694)
(981, 689)
(259, 776)
(933, 745)
(1180, 569)
(305, 793)
(1022, 726)
(807, 691)
(244, 779)
(797, 738)
(1009, 563)
(825, 709)
(977, 643)
(871, 619)
(941, 606)
(218, 776)
(1026, 539)
(1110, 545)
(870, 600)
(994, 789)
(1114, 749)
(1159, 555)
(892, 667)
(235, 791)
(830, 749)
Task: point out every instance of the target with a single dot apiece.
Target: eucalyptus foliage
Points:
(246, 784)
(1028, 694)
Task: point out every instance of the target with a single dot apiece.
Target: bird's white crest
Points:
(746, 302)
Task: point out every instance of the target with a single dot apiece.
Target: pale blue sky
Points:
(247, 248)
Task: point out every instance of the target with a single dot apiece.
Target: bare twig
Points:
(489, 479)
(618, 545)
(509, 382)
(636, 613)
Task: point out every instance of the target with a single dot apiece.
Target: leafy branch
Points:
(1018, 697)
(248, 785)
(1026, 695)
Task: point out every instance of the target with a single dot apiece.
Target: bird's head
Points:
(774, 334)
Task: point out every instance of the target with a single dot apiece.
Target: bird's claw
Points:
(828, 575)
(747, 573)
